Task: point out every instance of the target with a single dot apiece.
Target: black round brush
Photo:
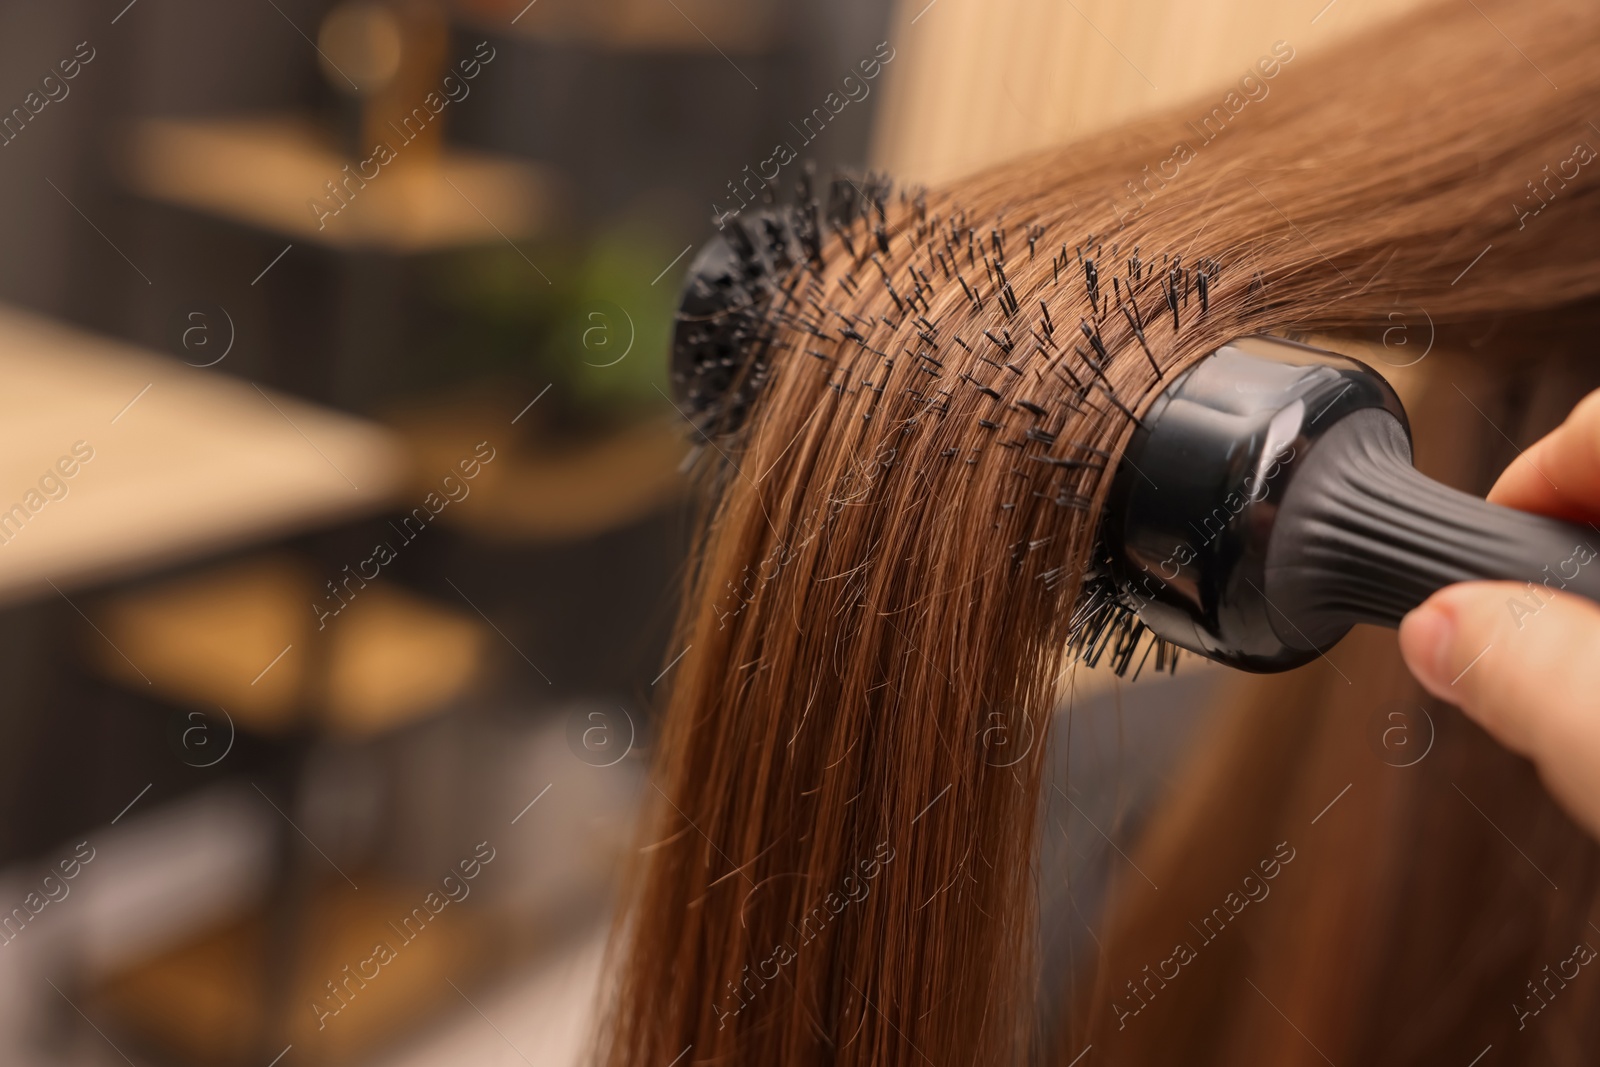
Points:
(1265, 503)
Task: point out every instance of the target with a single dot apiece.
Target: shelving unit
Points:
(266, 171)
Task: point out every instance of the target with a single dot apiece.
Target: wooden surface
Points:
(265, 172)
(976, 83)
(185, 460)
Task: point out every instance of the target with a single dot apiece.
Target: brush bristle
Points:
(763, 274)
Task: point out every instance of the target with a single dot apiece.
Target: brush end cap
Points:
(1193, 503)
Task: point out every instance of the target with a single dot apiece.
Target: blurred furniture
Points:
(264, 172)
(244, 637)
(537, 490)
(571, 544)
(184, 463)
(247, 637)
(206, 1001)
(382, 58)
(121, 461)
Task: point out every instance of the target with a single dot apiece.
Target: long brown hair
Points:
(839, 854)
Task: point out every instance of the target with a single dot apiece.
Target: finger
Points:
(1521, 661)
(1560, 474)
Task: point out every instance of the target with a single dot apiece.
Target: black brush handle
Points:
(1362, 536)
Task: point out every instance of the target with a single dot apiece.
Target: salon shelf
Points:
(244, 637)
(264, 172)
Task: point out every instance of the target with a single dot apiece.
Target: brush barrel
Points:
(1268, 503)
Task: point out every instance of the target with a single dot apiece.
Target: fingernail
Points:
(1426, 637)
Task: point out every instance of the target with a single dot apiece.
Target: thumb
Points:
(1522, 661)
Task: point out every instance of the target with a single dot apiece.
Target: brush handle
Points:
(1362, 536)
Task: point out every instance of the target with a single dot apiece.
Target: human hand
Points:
(1525, 664)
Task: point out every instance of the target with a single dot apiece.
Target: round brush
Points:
(1266, 500)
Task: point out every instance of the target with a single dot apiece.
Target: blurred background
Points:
(342, 512)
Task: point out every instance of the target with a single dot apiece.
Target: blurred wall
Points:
(979, 82)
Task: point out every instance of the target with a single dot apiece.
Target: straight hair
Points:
(948, 391)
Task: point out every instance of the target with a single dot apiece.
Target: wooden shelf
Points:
(244, 637)
(265, 172)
